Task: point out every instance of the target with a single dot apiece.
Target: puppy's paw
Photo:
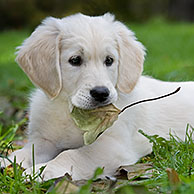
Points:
(45, 171)
(20, 156)
(4, 162)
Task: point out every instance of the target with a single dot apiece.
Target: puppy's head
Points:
(83, 58)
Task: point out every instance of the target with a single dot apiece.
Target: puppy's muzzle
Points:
(100, 94)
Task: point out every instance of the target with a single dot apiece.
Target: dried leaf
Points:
(65, 186)
(173, 177)
(94, 122)
(136, 170)
(9, 170)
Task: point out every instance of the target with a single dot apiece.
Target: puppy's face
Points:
(89, 64)
(86, 59)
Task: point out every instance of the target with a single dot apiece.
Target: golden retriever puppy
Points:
(90, 62)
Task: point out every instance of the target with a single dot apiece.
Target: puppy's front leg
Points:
(81, 163)
(43, 152)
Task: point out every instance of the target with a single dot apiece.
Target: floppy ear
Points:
(39, 57)
(131, 53)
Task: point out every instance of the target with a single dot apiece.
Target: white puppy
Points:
(90, 62)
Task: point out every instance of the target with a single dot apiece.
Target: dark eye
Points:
(75, 60)
(108, 61)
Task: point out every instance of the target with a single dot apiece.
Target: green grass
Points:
(10, 74)
(169, 57)
(15, 86)
(169, 49)
(173, 154)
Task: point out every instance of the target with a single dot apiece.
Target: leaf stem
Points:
(150, 99)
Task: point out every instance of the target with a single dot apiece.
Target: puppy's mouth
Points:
(88, 105)
(93, 98)
(95, 104)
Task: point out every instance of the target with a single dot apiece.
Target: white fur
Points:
(58, 142)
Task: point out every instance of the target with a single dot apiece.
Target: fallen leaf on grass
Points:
(9, 170)
(173, 177)
(143, 170)
(109, 185)
(64, 185)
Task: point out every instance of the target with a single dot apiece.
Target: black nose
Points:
(100, 93)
